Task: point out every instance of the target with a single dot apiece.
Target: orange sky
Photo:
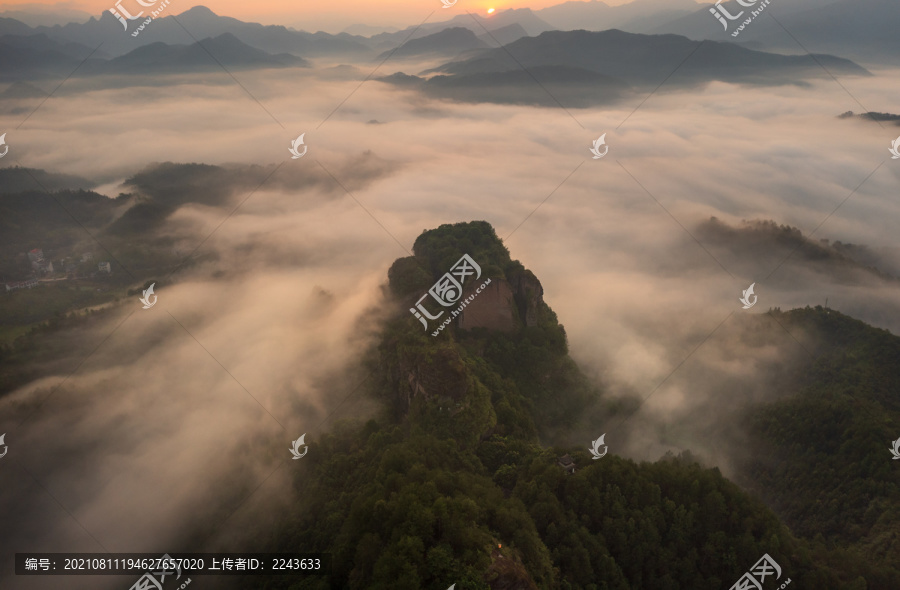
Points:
(315, 14)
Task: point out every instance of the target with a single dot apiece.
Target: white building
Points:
(43, 266)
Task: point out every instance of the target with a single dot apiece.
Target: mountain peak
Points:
(199, 11)
(502, 296)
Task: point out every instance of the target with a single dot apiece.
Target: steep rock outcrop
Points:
(493, 308)
(504, 305)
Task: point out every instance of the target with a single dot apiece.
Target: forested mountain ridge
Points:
(824, 462)
(455, 487)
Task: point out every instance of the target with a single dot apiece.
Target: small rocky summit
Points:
(513, 299)
(432, 347)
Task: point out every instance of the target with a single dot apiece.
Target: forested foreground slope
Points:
(451, 484)
(824, 461)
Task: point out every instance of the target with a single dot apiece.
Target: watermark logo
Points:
(449, 4)
(755, 578)
(895, 148)
(746, 298)
(148, 293)
(294, 145)
(3, 442)
(6, 147)
(448, 291)
(295, 450)
(595, 447)
(721, 13)
(895, 451)
(123, 15)
(600, 141)
(151, 579)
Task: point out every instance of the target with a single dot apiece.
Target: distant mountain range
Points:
(524, 18)
(639, 16)
(453, 40)
(605, 65)
(36, 15)
(37, 56)
(858, 29)
(456, 41)
(195, 24)
(368, 30)
(200, 22)
(226, 49)
(503, 35)
(640, 58)
(586, 68)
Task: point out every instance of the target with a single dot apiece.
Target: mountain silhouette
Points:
(575, 87)
(644, 59)
(200, 22)
(226, 49)
(523, 17)
(638, 16)
(451, 41)
(859, 29)
(37, 56)
(11, 26)
(599, 67)
(504, 35)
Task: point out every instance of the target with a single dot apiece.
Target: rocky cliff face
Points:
(494, 308)
(504, 305)
(529, 295)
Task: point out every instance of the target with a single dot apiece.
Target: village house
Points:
(35, 256)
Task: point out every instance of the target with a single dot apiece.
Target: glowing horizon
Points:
(311, 16)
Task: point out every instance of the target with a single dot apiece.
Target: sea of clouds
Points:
(179, 412)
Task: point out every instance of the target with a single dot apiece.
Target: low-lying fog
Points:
(189, 406)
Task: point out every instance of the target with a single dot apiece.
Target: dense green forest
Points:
(454, 483)
(821, 462)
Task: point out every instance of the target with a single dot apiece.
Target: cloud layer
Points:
(185, 408)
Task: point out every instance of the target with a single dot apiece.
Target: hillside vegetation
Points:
(451, 483)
